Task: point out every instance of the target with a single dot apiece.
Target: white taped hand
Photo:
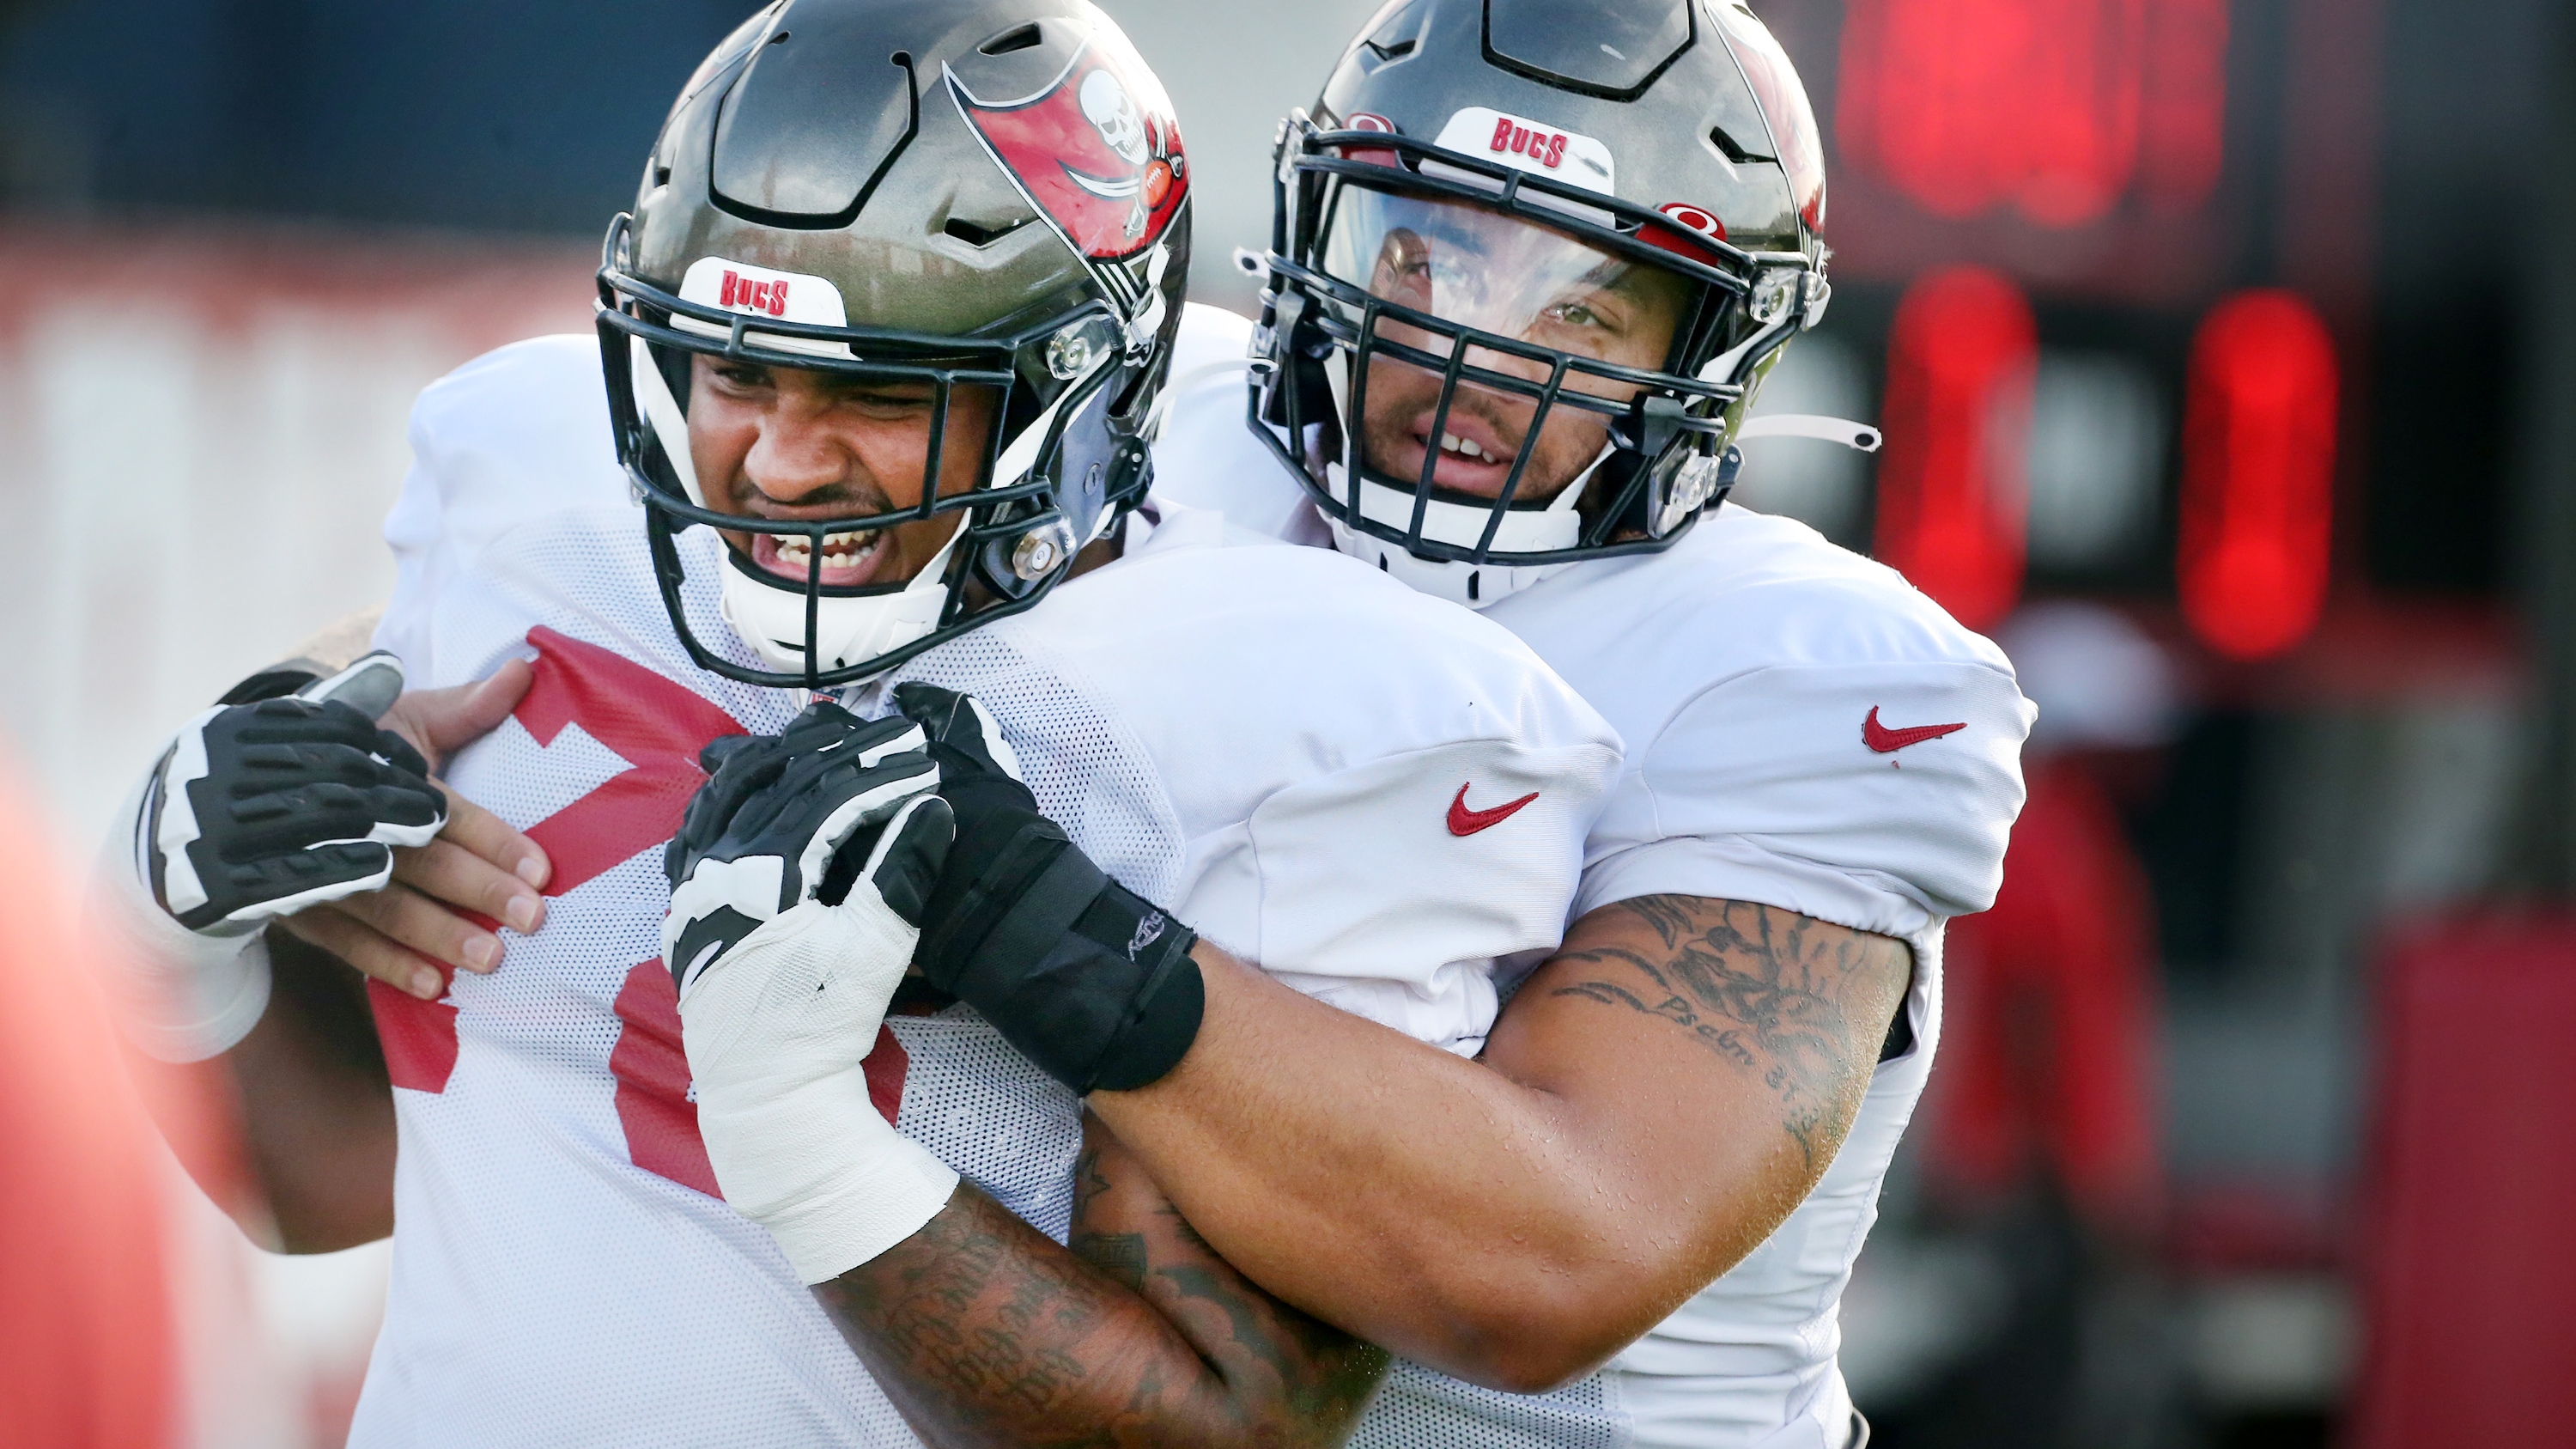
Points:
(783, 988)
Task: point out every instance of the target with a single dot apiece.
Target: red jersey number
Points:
(658, 728)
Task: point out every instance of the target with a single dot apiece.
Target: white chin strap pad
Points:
(1474, 585)
(771, 618)
(1523, 530)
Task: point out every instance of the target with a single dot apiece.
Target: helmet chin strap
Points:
(768, 612)
(1523, 530)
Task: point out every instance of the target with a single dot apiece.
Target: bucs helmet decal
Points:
(1096, 152)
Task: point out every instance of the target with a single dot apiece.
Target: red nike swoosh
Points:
(1887, 741)
(1463, 821)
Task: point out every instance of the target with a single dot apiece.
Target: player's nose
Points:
(796, 460)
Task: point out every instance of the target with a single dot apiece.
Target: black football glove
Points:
(797, 882)
(1092, 981)
(260, 810)
(799, 819)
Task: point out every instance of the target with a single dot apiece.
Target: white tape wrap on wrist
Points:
(776, 1030)
(180, 996)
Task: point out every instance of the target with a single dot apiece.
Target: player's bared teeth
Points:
(796, 546)
(1463, 447)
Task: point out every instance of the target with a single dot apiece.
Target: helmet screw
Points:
(1041, 549)
(1774, 292)
(1071, 352)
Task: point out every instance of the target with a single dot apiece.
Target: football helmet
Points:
(1557, 243)
(987, 195)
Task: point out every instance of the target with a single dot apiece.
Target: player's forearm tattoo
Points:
(984, 1332)
(1769, 990)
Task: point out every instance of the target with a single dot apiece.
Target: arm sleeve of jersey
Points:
(1780, 786)
(420, 567)
(1399, 889)
(515, 434)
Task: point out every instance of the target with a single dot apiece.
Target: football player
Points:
(882, 337)
(1532, 262)
(1526, 279)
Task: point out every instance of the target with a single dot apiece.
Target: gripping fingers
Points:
(369, 950)
(413, 920)
(872, 790)
(457, 877)
(489, 838)
(960, 722)
(282, 885)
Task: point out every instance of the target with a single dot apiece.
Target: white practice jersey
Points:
(1804, 730)
(1267, 740)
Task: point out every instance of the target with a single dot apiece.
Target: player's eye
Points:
(1591, 313)
(891, 406)
(742, 376)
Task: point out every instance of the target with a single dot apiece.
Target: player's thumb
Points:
(910, 854)
(440, 722)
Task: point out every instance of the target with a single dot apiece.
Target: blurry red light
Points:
(2057, 107)
(2258, 474)
(1952, 492)
(2182, 135)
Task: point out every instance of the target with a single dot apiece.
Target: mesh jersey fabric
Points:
(1750, 669)
(558, 1230)
(559, 1233)
(1420, 1408)
(1319, 724)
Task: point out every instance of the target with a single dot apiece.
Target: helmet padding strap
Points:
(662, 413)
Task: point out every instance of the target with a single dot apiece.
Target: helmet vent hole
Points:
(781, 37)
(1018, 37)
(982, 234)
(1734, 152)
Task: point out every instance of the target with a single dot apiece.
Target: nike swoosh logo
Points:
(1463, 821)
(1888, 741)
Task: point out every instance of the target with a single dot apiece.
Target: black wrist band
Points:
(1092, 981)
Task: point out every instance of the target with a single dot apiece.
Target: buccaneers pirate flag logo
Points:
(1095, 149)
